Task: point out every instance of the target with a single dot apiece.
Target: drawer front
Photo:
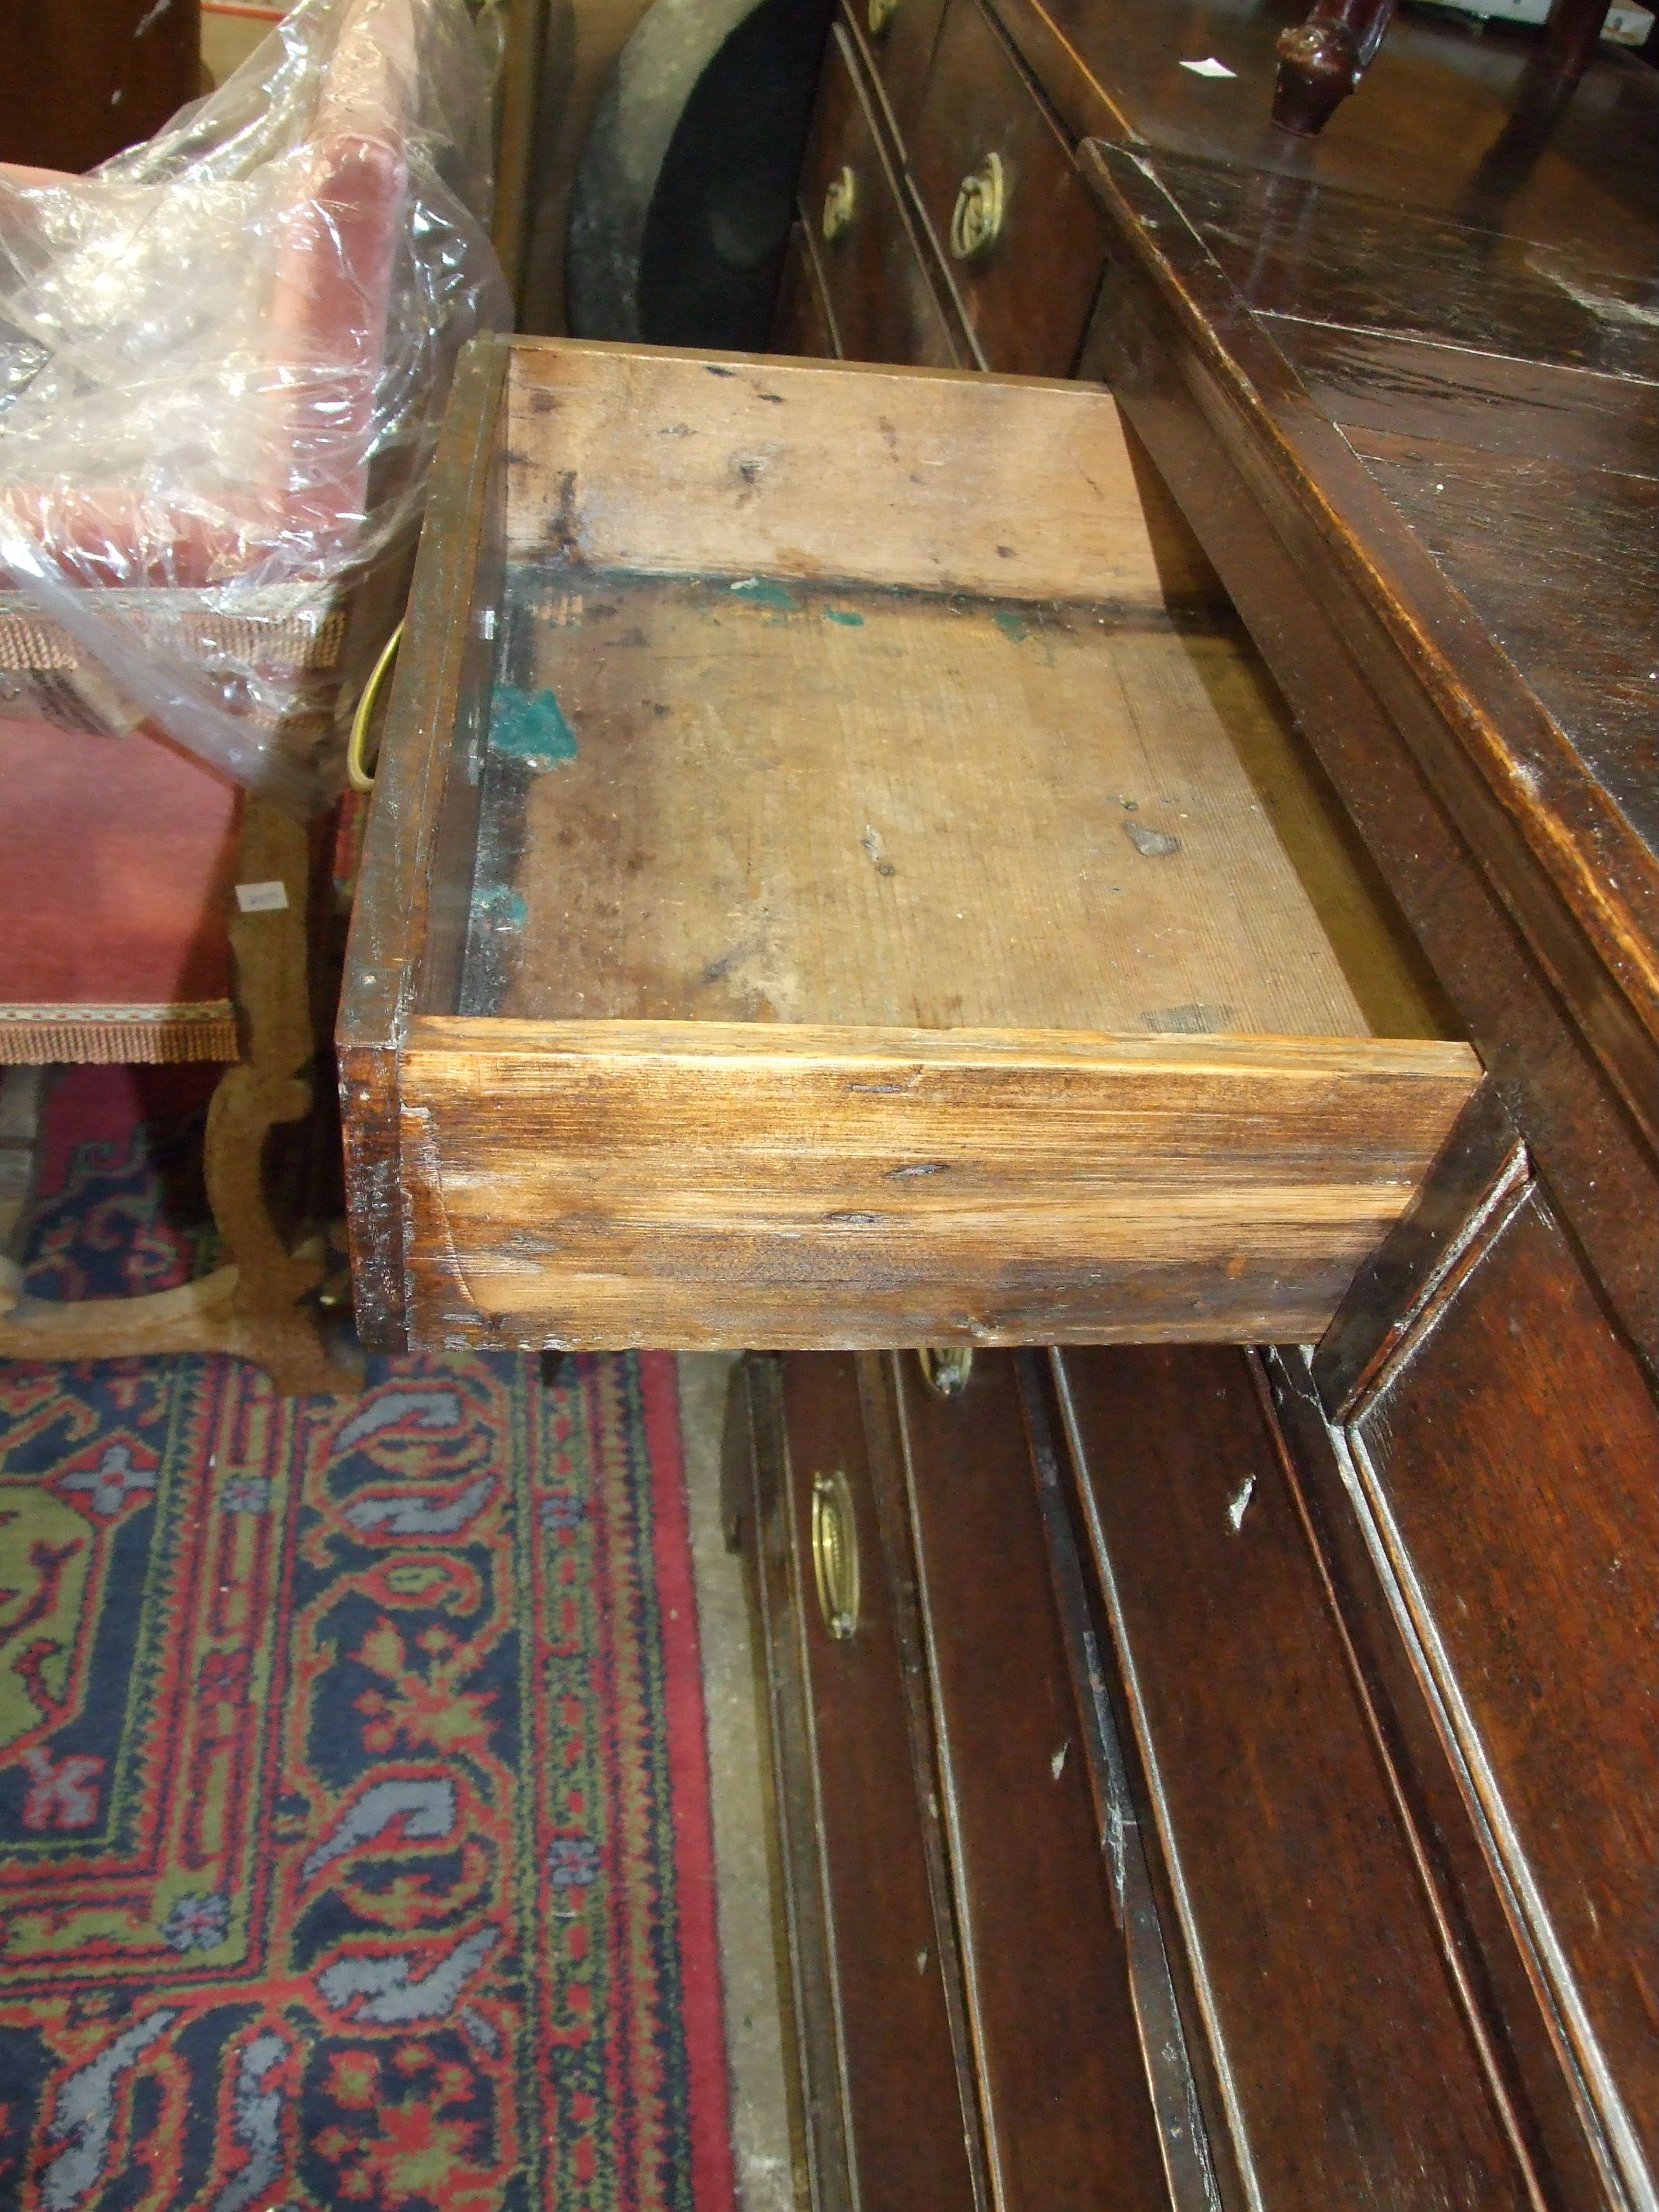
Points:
(803, 324)
(1061, 2077)
(897, 38)
(1354, 2076)
(1508, 1462)
(1019, 234)
(700, 1184)
(881, 297)
(897, 2056)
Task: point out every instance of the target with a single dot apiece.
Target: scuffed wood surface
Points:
(385, 953)
(697, 1184)
(881, 303)
(968, 837)
(631, 457)
(914, 811)
(1355, 2071)
(1507, 1461)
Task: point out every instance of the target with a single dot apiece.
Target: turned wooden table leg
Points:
(1323, 59)
(1571, 36)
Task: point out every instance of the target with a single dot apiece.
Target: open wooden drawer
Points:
(837, 879)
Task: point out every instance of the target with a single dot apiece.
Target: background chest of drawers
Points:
(1352, 1647)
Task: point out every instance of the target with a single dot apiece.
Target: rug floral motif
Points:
(354, 1831)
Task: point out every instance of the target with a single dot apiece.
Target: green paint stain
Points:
(500, 907)
(840, 615)
(530, 725)
(1012, 628)
(766, 591)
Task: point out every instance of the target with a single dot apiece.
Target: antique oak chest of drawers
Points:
(1404, 384)
(843, 884)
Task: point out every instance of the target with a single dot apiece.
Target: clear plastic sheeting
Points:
(224, 357)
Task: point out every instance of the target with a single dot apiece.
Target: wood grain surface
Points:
(907, 830)
(895, 43)
(883, 303)
(1354, 2066)
(1025, 300)
(907, 2128)
(398, 879)
(1508, 1456)
(1451, 129)
(1491, 403)
(628, 457)
(1062, 2073)
(914, 810)
(1554, 555)
(703, 1183)
(1483, 819)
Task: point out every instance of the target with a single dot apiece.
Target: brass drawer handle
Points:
(946, 1370)
(881, 14)
(835, 1553)
(976, 221)
(839, 202)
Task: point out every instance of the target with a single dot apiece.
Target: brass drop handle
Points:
(976, 220)
(835, 1554)
(360, 772)
(947, 1369)
(881, 14)
(840, 203)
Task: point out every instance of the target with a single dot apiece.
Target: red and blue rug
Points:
(354, 1842)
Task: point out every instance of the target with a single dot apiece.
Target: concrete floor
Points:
(771, 2176)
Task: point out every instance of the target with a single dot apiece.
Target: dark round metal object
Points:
(683, 199)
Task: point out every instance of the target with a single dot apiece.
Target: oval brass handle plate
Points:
(976, 220)
(945, 1370)
(881, 14)
(835, 1553)
(840, 201)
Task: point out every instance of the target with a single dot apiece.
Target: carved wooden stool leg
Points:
(1323, 59)
(267, 1085)
(250, 1306)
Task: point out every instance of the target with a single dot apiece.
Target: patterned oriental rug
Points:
(354, 1840)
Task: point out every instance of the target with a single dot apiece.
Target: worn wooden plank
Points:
(1490, 401)
(1557, 561)
(915, 811)
(630, 457)
(1363, 262)
(1506, 1459)
(386, 952)
(1061, 2069)
(1353, 2065)
(710, 1183)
